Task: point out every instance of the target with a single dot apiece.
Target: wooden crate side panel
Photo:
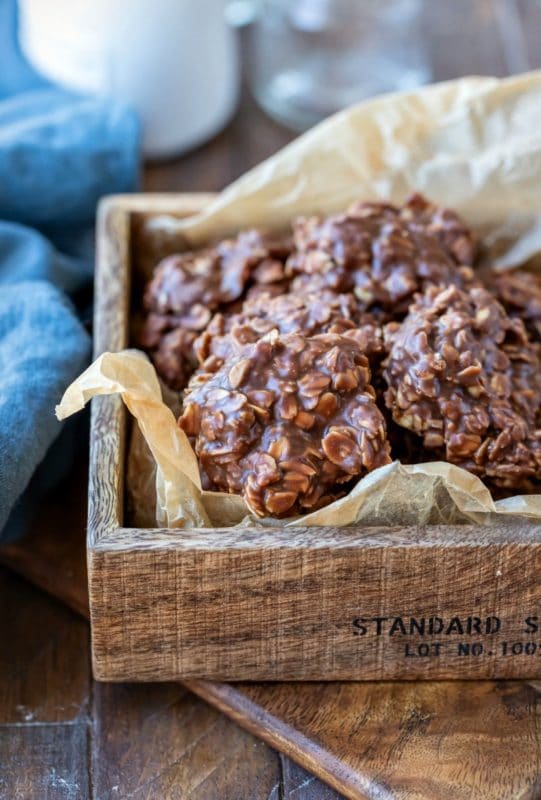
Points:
(111, 333)
(106, 473)
(300, 538)
(108, 417)
(264, 613)
(112, 281)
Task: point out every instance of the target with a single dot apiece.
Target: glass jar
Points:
(310, 58)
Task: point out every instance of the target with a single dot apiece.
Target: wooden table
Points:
(64, 737)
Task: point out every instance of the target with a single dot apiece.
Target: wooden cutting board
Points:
(381, 741)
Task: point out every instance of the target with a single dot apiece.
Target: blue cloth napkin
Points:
(59, 153)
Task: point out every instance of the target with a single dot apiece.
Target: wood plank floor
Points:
(65, 737)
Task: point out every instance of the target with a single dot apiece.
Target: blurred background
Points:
(300, 59)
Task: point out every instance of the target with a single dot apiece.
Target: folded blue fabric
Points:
(59, 153)
(42, 348)
(27, 255)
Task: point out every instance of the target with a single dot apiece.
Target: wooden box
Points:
(305, 604)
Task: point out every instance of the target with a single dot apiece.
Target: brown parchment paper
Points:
(473, 145)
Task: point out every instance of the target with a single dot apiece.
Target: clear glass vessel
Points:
(311, 58)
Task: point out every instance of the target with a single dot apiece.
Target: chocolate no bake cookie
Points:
(171, 347)
(377, 255)
(463, 375)
(187, 288)
(287, 346)
(326, 312)
(520, 294)
(382, 253)
(287, 423)
(202, 280)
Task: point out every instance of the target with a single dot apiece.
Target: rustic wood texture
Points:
(281, 605)
(45, 762)
(292, 596)
(44, 693)
(396, 741)
(400, 741)
(177, 746)
(466, 39)
(31, 665)
(62, 736)
(52, 555)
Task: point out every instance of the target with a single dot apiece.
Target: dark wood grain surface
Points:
(62, 736)
(60, 732)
